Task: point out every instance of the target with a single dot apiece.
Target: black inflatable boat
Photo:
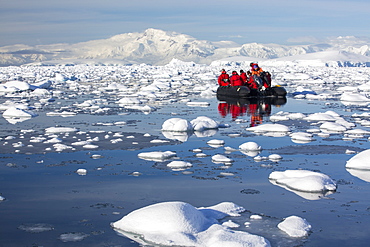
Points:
(245, 92)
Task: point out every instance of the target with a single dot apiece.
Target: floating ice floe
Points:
(156, 156)
(177, 125)
(181, 224)
(216, 143)
(15, 115)
(360, 161)
(60, 130)
(275, 157)
(81, 171)
(354, 99)
(177, 164)
(62, 147)
(199, 104)
(219, 158)
(295, 226)
(320, 116)
(303, 181)
(62, 114)
(250, 146)
(332, 127)
(270, 129)
(204, 123)
(301, 137)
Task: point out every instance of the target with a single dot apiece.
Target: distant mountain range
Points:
(158, 47)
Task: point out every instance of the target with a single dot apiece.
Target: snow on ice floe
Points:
(204, 123)
(307, 184)
(295, 226)
(15, 115)
(181, 224)
(354, 99)
(284, 116)
(177, 125)
(250, 146)
(199, 104)
(332, 127)
(81, 171)
(156, 155)
(177, 164)
(179, 129)
(219, 158)
(360, 161)
(60, 129)
(322, 116)
(301, 137)
(270, 129)
(215, 143)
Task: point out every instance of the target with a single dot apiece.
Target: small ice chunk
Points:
(332, 127)
(81, 172)
(301, 136)
(200, 104)
(216, 142)
(304, 180)
(179, 164)
(156, 155)
(177, 124)
(275, 157)
(269, 128)
(60, 129)
(255, 217)
(203, 123)
(252, 146)
(219, 158)
(90, 146)
(295, 226)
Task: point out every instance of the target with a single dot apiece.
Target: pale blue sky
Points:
(35, 22)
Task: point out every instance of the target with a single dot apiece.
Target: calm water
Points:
(42, 188)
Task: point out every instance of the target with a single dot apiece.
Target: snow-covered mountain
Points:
(158, 47)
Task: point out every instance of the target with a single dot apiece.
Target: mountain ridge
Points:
(158, 47)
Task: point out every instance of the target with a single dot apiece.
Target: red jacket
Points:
(251, 83)
(235, 80)
(223, 79)
(244, 77)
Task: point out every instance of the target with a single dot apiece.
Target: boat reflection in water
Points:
(256, 108)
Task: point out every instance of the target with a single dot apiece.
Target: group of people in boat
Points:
(255, 78)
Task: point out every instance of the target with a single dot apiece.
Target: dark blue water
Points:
(42, 187)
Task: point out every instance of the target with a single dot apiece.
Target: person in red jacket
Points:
(235, 79)
(251, 84)
(223, 79)
(243, 76)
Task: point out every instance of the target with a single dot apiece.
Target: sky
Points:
(41, 22)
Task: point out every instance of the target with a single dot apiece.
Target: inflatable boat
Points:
(245, 92)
